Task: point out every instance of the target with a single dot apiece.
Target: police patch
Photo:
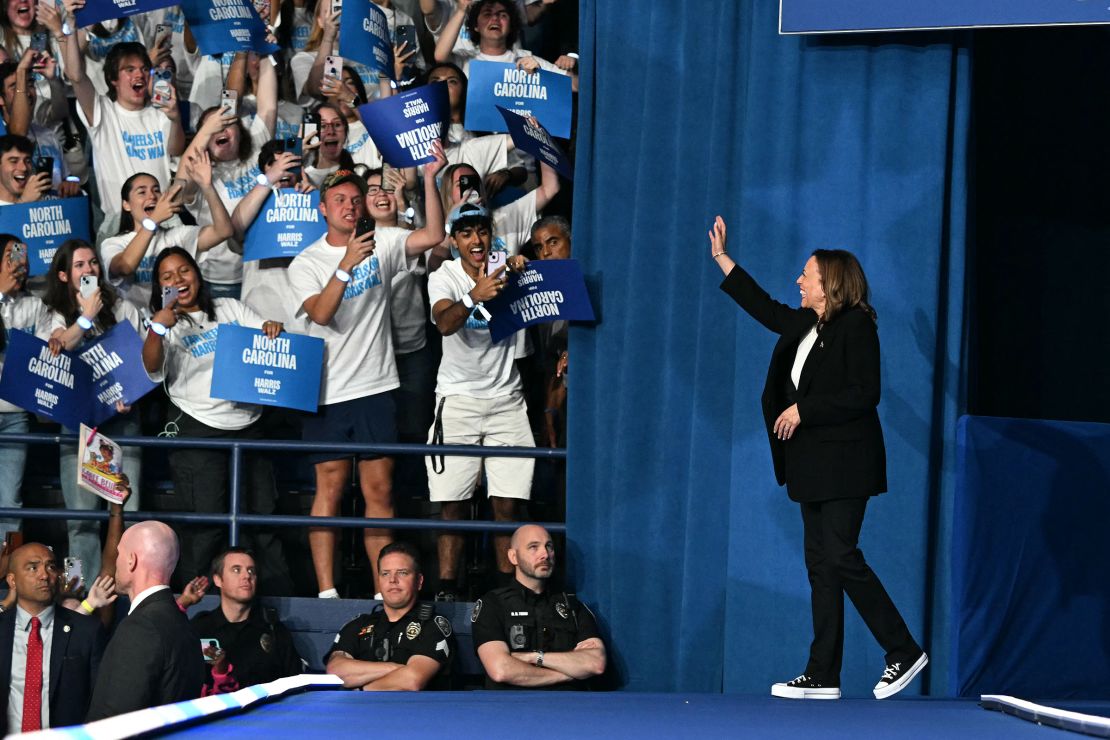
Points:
(266, 642)
(444, 626)
(561, 608)
(413, 630)
(477, 608)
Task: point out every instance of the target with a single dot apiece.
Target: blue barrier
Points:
(235, 519)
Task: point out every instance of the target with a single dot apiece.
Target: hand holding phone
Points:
(494, 262)
(18, 253)
(169, 296)
(73, 568)
(229, 101)
(333, 67)
(88, 285)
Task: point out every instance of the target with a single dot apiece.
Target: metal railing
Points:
(235, 519)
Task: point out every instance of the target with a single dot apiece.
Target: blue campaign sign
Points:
(535, 140)
(226, 26)
(116, 362)
(287, 223)
(364, 35)
(96, 11)
(251, 368)
(549, 290)
(822, 16)
(404, 126)
(53, 386)
(44, 225)
(544, 95)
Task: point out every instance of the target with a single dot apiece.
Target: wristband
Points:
(150, 225)
(158, 328)
(67, 30)
(84, 323)
(264, 181)
(342, 275)
(87, 607)
(467, 301)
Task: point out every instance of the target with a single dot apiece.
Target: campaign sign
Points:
(404, 126)
(226, 25)
(535, 140)
(822, 16)
(118, 374)
(44, 225)
(544, 95)
(252, 368)
(364, 36)
(52, 386)
(548, 290)
(96, 11)
(288, 223)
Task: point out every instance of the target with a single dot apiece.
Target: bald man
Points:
(66, 651)
(154, 658)
(531, 636)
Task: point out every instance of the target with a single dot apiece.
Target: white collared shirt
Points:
(139, 599)
(19, 664)
(804, 348)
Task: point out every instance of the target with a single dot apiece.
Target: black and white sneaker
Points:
(897, 676)
(805, 687)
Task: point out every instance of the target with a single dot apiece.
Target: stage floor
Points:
(614, 715)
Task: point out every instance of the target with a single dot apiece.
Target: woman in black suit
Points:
(819, 404)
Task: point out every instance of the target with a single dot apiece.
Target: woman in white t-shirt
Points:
(130, 254)
(180, 349)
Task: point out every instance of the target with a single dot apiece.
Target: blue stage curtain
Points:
(678, 533)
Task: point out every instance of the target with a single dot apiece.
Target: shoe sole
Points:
(904, 681)
(790, 692)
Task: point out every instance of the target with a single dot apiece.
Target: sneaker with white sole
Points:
(805, 687)
(897, 676)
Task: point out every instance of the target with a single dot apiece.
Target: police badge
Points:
(413, 630)
(444, 626)
(266, 642)
(561, 609)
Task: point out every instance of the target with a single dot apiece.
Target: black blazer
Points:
(154, 658)
(837, 451)
(74, 659)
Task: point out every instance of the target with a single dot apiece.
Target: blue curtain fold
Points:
(677, 531)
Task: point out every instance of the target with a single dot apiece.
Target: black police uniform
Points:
(259, 649)
(553, 621)
(372, 637)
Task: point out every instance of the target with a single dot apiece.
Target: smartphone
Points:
(39, 40)
(405, 34)
(336, 6)
(73, 568)
(333, 67)
(495, 262)
(364, 226)
(163, 78)
(88, 285)
(293, 145)
(310, 125)
(209, 646)
(44, 165)
(169, 295)
(387, 186)
(229, 101)
(162, 31)
(17, 253)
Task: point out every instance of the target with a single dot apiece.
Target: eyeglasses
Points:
(337, 126)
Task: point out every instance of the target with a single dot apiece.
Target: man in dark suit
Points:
(154, 658)
(42, 644)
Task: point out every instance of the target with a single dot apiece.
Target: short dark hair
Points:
(116, 55)
(402, 548)
(7, 69)
(246, 145)
(20, 143)
(205, 302)
(218, 561)
(513, 32)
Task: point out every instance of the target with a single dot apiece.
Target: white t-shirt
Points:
(136, 286)
(28, 314)
(267, 290)
(512, 223)
(465, 50)
(407, 309)
(362, 148)
(358, 342)
(125, 142)
(189, 355)
(485, 154)
(472, 365)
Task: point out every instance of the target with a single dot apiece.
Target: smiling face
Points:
(333, 135)
(381, 206)
(473, 242)
(399, 581)
(15, 169)
(176, 271)
(132, 85)
(83, 262)
(811, 287)
(342, 206)
(21, 14)
(224, 146)
(33, 574)
(144, 195)
(238, 581)
(493, 23)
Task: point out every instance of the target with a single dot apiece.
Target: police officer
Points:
(402, 645)
(253, 646)
(530, 637)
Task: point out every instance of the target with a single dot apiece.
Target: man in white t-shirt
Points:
(341, 285)
(479, 396)
(128, 133)
(18, 181)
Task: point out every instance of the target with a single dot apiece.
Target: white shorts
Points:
(494, 422)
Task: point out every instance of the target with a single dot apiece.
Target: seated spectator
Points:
(529, 635)
(254, 646)
(479, 397)
(154, 657)
(18, 181)
(401, 645)
(179, 349)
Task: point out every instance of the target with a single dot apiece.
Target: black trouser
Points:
(836, 566)
(201, 483)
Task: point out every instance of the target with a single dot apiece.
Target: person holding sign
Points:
(492, 35)
(83, 305)
(180, 349)
(341, 284)
(479, 394)
(18, 312)
(142, 236)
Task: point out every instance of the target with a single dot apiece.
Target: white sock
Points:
(331, 593)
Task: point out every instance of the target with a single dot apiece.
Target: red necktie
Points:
(32, 680)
